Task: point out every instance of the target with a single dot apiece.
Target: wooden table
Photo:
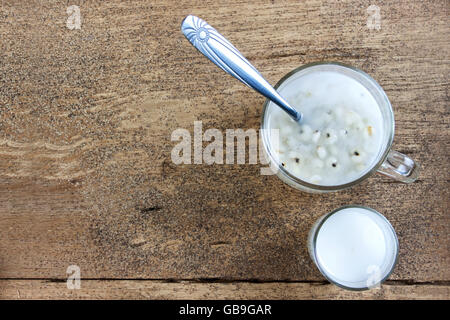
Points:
(86, 176)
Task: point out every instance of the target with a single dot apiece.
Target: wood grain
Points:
(155, 290)
(86, 117)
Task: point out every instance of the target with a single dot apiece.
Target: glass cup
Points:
(388, 162)
(350, 265)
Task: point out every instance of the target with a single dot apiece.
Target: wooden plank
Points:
(86, 117)
(150, 289)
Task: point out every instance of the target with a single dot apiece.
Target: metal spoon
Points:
(220, 51)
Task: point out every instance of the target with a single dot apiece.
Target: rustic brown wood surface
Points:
(86, 177)
(159, 289)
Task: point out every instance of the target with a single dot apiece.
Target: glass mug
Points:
(388, 162)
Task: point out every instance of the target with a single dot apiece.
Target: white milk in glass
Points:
(355, 247)
(340, 135)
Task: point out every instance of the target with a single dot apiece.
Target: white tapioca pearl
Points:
(330, 136)
(359, 126)
(321, 152)
(305, 132)
(295, 157)
(331, 162)
(291, 142)
(333, 150)
(316, 136)
(357, 156)
(351, 117)
(343, 133)
(315, 178)
(303, 149)
(348, 118)
(292, 154)
(317, 163)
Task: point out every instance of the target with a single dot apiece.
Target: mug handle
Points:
(399, 167)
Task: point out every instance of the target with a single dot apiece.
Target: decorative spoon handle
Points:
(220, 51)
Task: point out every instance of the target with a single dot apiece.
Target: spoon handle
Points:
(220, 51)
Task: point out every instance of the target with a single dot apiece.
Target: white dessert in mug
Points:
(340, 135)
